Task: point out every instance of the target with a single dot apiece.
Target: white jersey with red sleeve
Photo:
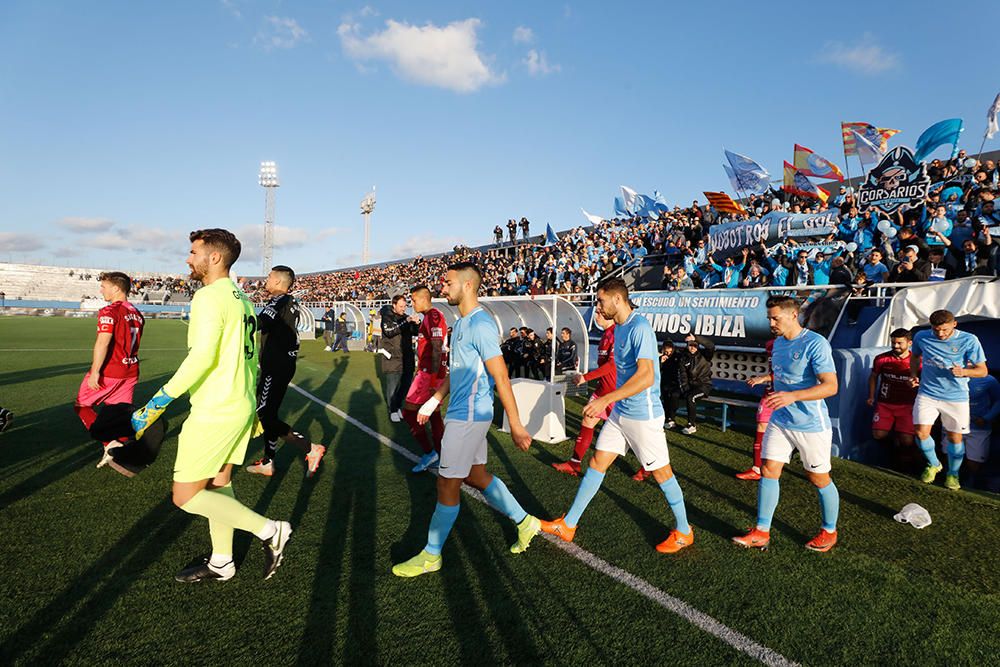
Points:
(432, 328)
(124, 322)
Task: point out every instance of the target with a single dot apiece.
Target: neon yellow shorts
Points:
(206, 444)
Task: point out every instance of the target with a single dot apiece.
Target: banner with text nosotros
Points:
(733, 317)
(729, 239)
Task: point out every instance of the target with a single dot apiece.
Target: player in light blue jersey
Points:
(476, 367)
(949, 358)
(804, 375)
(636, 422)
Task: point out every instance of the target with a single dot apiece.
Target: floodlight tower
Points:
(367, 207)
(268, 179)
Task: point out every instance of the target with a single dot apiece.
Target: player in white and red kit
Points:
(431, 370)
(114, 369)
(892, 394)
(606, 377)
(763, 416)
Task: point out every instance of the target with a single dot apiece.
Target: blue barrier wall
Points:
(849, 411)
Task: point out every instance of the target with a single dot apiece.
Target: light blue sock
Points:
(441, 523)
(956, 454)
(675, 498)
(768, 491)
(498, 496)
(927, 447)
(829, 506)
(591, 482)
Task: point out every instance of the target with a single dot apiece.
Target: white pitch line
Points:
(703, 621)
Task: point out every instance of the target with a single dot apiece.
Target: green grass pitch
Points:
(89, 556)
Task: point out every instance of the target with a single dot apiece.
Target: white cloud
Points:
(368, 10)
(81, 225)
(285, 238)
(523, 35)
(864, 57)
(138, 239)
(19, 242)
(232, 7)
(280, 32)
(425, 245)
(538, 64)
(445, 57)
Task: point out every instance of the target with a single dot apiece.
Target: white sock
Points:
(219, 561)
(267, 532)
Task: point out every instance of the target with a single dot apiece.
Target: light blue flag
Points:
(619, 208)
(735, 182)
(550, 236)
(749, 174)
(940, 133)
(658, 198)
(644, 205)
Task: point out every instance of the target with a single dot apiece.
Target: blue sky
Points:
(128, 124)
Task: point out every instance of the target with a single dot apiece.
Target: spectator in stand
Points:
(525, 228)
(940, 266)
(731, 270)
(875, 271)
(756, 277)
(801, 272)
(910, 268)
(498, 235)
(681, 280)
(512, 231)
(975, 259)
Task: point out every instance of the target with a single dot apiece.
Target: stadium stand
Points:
(29, 282)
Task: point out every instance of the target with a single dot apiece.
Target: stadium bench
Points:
(726, 402)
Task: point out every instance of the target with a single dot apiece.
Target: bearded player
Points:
(606, 378)
(892, 394)
(635, 422)
(431, 370)
(114, 368)
(219, 372)
(277, 324)
(476, 366)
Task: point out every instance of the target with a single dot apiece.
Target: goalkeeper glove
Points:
(149, 413)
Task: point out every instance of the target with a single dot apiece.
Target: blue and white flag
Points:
(628, 196)
(749, 174)
(991, 118)
(591, 218)
(867, 152)
(550, 236)
(735, 182)
(940, 133)
(619, 208)
(660, 199)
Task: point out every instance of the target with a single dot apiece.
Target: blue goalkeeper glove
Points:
(149, 413)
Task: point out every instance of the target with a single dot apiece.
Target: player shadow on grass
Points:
(36, 435)
(95, 591)
(43, 373)
(348, 531)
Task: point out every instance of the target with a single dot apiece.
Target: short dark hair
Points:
(901, 333)
(396, 299)
(939, 317)
(118, 279)
(468, 266)
(419, 288)
(285, 271)
(566, 330)
(783, 302)
(222, 241)
(614, 286)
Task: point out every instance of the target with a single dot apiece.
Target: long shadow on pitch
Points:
(348, 532)
(44, 373)
(96, 590)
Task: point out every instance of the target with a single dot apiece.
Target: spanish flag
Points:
(723, 203)
(811, 164)
(877, 135)
(797, 184)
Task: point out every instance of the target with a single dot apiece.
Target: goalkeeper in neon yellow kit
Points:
(220, 374)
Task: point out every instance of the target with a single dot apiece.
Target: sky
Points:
(125, 125)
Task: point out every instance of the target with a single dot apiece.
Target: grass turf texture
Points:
(90, 555)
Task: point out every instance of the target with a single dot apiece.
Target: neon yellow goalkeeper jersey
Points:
(220, 370)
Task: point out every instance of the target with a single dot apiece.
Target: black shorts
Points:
(271, 387)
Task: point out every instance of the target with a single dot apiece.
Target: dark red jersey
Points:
(893, 377)
(605, 373)
(124, 323)
(432, 328)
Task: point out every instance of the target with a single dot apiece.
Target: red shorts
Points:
(422, 388)
(111, 390)
(607, 411)
(893, 417)
(763, 412)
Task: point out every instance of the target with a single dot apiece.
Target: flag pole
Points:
(981, 145)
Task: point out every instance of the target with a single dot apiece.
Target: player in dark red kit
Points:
(763, 416)
(606, 377)
(431, 370)
(892, 394)
(114, 369)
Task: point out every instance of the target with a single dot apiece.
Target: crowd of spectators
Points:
(948, 235)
